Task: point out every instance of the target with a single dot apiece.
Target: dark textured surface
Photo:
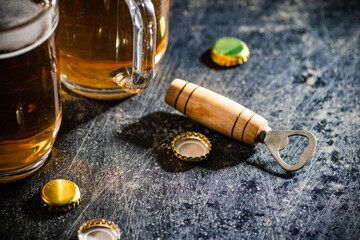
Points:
(303, 73)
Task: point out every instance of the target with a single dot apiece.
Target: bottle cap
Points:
(60, 195)
(99, 229)
(229, 51)
(191, 146)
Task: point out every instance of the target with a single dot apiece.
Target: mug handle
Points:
(143, 49)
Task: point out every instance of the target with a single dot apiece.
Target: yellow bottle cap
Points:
(191, 146)
(229, 51)
(60, 195)
(99, 229)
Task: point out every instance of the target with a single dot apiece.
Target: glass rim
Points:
(25, 36)
(47, 7)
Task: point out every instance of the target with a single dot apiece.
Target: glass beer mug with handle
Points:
(109, 48)
(30, 106)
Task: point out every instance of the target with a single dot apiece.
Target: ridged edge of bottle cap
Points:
(99, 223)
(56, 207)
(195, 136)
(227, 61)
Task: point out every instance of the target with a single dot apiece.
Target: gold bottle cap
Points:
(99, 229)
(60, 195)
(229, 51)
(191, 146)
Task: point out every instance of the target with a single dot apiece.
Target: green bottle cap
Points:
(229, 51)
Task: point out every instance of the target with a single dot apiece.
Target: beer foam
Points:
(24, 25)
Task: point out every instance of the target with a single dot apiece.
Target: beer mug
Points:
(29, 91)
(109, 48)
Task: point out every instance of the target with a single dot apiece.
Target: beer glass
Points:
(30, 107)
(109, 48)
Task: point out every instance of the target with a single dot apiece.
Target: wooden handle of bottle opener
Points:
(215, 111)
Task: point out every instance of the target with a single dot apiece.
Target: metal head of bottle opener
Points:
(234, 120)
(277, 140)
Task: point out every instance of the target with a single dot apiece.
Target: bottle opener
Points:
(234, 120)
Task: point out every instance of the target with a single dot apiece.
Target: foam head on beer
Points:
(18, 29)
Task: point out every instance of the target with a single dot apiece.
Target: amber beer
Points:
(29, 90)
(96, 43)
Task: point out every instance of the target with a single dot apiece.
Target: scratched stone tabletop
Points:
(303, 73)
